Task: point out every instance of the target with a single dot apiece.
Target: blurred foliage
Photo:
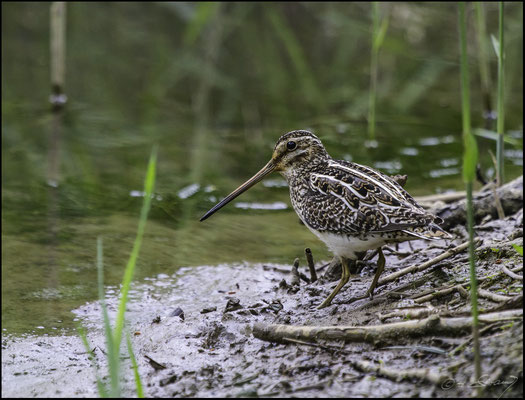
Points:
(216, 83)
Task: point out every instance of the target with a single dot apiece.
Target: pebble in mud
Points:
(233, 304)
(178, 312)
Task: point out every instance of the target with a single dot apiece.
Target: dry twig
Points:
(413, 313)
(443, 292)
(425, 265)
(311, 265)
(397, 374)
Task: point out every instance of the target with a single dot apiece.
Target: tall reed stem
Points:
(500, 173)
(469, 167)
(373, 73)
(484, 68)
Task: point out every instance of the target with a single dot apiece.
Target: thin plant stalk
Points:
(484, 67)
(500, 173)
(130, 267)
(114, 338)
(112, 355)
(138, 382)
(83, 337)
(58, 46)
(57, 61)
(379, 28)
(373, 74)
(470, 156)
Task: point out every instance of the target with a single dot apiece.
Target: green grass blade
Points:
(83, 336)
(470, 155)
(488, 134)
(469, 167)
(470, 158)
(500, 175)
(380, 34)
(138, 382)
(372, 96)
(112, 355)
(130, 267)
(495, 44)
(484, 66)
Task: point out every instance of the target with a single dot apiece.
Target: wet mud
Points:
(193, 332)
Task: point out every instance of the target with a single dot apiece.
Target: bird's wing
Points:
(361, 199)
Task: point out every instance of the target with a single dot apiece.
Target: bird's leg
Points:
(345, 276)
(380, 269)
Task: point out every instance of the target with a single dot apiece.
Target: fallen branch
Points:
(497, 298)
(484, 203)
(376, 334)
(444, 197)
(413, 313)
(513, 302)
(397, 374)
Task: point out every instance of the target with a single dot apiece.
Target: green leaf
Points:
(380, 34)
(138, 382)
(205, 11)
(83, 336)
(492, 135)
(495, 44)
(470, 158)
(519, 249)
(149, 184)
(112, 352)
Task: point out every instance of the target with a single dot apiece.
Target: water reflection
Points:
(215, 85)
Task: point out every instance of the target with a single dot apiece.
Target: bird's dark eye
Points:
(291, 145)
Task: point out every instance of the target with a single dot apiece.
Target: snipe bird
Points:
(350, 207)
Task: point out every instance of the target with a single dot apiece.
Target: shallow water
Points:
(119, 109)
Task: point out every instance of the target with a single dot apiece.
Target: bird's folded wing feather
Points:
(359, 199)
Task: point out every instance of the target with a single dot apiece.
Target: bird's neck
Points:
(300, 173)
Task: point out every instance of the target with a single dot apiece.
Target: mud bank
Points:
(193, 332)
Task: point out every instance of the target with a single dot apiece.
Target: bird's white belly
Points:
(347, 246)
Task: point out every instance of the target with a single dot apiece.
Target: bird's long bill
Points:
(268, 168)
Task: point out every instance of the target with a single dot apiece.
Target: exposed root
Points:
(513, 275)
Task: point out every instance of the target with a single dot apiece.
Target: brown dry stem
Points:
(416, 268)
